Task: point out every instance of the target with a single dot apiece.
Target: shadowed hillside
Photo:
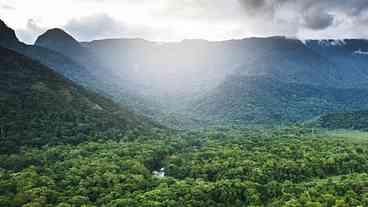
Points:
(39, 107)
(357, 120)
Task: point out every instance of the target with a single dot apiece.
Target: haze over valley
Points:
(211, 110)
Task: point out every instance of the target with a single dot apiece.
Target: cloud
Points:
(91, 27)
(101, 26)
(257, 7)
(317, 20)
(179, 19)
(305, 14)
(7, 7)
(32, 30)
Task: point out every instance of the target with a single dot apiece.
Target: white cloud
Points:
(167, 20)
(31, 31)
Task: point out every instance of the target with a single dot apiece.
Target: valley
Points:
(271, 121)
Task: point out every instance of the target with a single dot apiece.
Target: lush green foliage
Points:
(264, 100)
(223, 167)
(39, 107)
(62, 145)
(357, 120)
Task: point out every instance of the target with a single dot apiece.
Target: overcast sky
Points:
(174, 20)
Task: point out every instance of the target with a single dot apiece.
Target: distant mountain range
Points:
(272, 80)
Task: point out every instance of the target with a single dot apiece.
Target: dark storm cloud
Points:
(311, 14)
(317, 20)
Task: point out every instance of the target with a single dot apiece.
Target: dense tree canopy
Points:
(220, 167)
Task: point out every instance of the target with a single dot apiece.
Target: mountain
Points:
(75, 63)
(177, 72)
(348, 55)
(7, 35)
(40, 107)
(286, 60)
(60, 41)
(50, 58)
(191, 66)
(257, 80)
(185, 82)
(356, 120)
(282, 80)
(261, 99)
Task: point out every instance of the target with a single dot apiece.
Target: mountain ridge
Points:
(286, 62)
(170, 78)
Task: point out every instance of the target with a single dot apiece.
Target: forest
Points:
(292, 166)
(274, 122)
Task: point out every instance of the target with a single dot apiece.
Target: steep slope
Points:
(287, 60)
(245, 99)
(60, 41)
(80, 68)
(349, 55)
(7, 35)
(52, 59)
(357, 120)
(140, 86)
(40, 107)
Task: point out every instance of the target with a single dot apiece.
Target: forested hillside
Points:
(39, 107)
(260, 100)
(348, 55)
(356, 120)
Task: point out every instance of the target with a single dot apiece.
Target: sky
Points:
(175, 20)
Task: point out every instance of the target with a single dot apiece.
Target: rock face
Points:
(7, 35)
(58, 40)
